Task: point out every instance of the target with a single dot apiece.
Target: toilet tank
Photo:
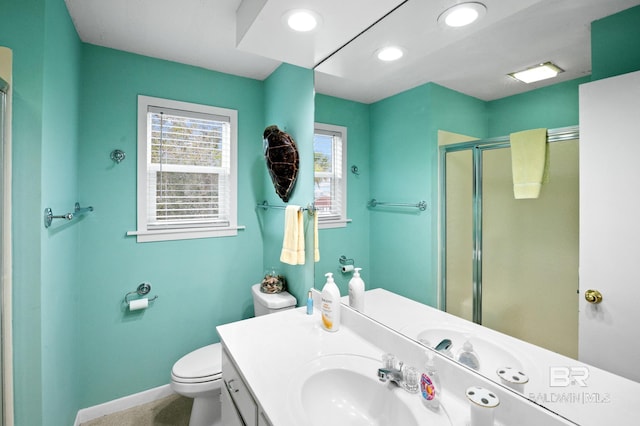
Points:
(265, 303)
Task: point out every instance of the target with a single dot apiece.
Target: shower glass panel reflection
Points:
(511, 265)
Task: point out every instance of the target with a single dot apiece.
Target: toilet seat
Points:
(200, 366)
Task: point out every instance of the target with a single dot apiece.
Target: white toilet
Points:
(264, 303)
(198, 374)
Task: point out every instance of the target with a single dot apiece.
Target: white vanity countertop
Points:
(272, 351)
(606, 399)
(269, 349)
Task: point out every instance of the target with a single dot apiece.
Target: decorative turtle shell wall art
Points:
(281, 154)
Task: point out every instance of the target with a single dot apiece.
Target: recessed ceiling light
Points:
(390, 53)
(537, 73)
(302, 20)
(462, 14)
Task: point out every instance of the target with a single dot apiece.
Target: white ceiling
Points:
(248, 38)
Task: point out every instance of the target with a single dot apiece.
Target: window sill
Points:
(183, 234)
(327, 224)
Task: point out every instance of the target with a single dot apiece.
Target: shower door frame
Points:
(477, 147)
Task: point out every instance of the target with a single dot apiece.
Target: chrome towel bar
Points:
(310, 209)
(422, 205)
(49, 216)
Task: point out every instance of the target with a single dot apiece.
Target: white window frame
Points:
(144, 232)
(340, 220)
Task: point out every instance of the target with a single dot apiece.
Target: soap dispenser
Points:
(430, 385)
(468, 356)
(356, 291)
(330, 309)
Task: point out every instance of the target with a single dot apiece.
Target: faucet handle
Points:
(389, 361)
(411, 379)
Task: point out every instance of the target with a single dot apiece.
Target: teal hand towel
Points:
(528, 162)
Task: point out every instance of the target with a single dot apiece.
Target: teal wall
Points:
(351, 241)
(59, 177)
(550, 107)
(22, 28)
(45, 119)
(404, 164)
(289, 105)
(615, 44)
(200, 283)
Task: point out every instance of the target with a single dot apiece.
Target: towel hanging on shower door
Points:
(529, 162)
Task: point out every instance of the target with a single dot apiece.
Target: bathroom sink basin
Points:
(344, 390)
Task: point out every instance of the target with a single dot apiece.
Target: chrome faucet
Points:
(392, 374)
(404, 377)
(443, 346)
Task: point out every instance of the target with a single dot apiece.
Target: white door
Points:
(610, 224)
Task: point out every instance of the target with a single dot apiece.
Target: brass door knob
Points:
(593, 296)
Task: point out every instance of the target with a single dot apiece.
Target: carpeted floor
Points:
(173, 410)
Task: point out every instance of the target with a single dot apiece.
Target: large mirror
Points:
(420, 128)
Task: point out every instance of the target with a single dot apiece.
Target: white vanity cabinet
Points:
(230, 415)
(239, 408)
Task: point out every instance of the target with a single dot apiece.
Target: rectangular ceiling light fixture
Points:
(537, 73)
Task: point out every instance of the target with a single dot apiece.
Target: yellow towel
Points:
(316, 245)
(528, 162)
(300, 251)
(293, 240)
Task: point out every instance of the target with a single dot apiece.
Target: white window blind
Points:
(188, 169)
(188, 178)
(329, 173)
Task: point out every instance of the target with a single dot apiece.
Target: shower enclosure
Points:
(508, 264)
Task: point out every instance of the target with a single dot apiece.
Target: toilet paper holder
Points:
(347, 264)
(345, 261)
(142, 290)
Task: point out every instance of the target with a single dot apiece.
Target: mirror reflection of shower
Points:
(511, 265)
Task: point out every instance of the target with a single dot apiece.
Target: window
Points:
(330, 183)
(186, 170)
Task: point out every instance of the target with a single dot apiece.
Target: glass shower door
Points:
(530, 252)
(512, 265)
(459, 234)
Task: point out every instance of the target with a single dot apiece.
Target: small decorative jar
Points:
(273, 282)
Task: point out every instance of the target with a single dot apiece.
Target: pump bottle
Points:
(330, 309)
(430, 385)
(356, 291)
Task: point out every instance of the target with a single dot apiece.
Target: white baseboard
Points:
(123, 403)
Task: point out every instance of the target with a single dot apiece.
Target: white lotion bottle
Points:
(356, 291)
(330, 309)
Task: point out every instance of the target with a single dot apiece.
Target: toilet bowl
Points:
(198, 374)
